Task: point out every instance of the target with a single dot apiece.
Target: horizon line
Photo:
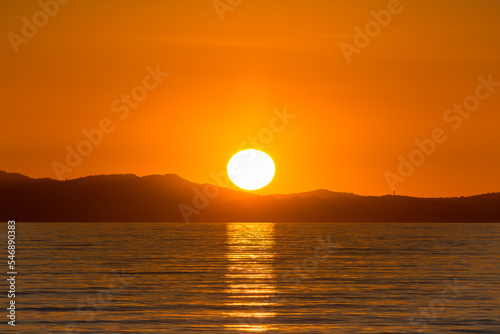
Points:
(246, 191)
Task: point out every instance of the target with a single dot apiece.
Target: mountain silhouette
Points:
(170, 198)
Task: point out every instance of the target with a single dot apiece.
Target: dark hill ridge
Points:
(156, 198)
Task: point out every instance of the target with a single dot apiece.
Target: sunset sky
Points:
(229, 78)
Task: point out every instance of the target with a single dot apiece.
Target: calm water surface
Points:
(256, 277)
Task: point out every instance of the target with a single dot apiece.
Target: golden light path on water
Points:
(250, 276)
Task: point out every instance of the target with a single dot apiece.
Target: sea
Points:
(246, 277)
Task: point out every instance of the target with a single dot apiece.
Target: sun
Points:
(251, 169)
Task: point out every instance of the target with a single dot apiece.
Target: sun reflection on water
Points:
(250, 276)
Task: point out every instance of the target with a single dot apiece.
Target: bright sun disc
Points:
(251, 169)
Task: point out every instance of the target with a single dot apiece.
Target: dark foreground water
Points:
(255, 277)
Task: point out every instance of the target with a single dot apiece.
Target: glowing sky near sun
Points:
(93, 65)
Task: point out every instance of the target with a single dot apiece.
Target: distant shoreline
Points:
(170, 198)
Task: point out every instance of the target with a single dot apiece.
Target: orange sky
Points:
(352, 119)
